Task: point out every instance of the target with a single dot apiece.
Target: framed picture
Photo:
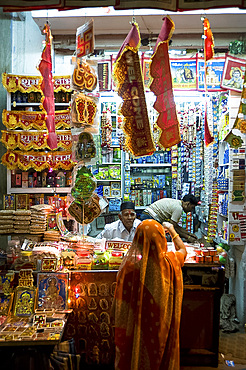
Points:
(215, 69)
(21, 201)
(51, 222)
(49, 264)
(183, 72)
(9, 201)
(6, 304)
(100, 222)
(24, 301)
(6, 285)
(233, 73)
(52, 290)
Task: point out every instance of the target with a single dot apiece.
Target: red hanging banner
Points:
(161, 86)
(47, 86)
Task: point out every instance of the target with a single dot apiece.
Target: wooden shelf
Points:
(52, 190)
(150, 164)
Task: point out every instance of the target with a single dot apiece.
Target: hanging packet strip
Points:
(84, 112)
(129, 80)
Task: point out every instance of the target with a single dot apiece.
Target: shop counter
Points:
(90, 324)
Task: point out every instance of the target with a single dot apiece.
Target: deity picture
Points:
(24, 301)
(52, 290)
(233, 73)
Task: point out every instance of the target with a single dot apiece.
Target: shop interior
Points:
(46, 241)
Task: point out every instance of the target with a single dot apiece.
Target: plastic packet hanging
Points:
(84, 112)
(84, 76)
(83, 147)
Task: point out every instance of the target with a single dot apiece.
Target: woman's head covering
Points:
(148, 302)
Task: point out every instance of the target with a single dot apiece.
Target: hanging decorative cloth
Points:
(47, 86)
(26, 140)
(161, 86)
(208, 54)
(34, 120)
(129, 80)
(39, 161)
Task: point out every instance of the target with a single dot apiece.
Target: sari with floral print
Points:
(147, 303)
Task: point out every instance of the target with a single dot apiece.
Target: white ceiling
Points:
(111, 26)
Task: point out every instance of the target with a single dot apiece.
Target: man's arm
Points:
(189, 237)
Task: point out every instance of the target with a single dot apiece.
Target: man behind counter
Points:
(168, 209)
(125, 227)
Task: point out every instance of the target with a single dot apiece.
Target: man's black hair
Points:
(191, 198)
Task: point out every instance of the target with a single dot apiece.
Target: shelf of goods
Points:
(28, 155)
(231, 179)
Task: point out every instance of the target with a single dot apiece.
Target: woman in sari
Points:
(148, 299)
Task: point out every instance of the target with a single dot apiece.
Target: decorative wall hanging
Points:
(161, 86)
(84, 109)
(84, 77)
(87, 211)
(37, 160)
(26, 140)
(27, 84)
(47, 87)
(85, 207)
(62, 83)
(85, 147)
(85, 39)
(233, 73)
(34, 120)
(129, 80)
(24, 84)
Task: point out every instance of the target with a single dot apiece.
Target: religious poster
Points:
(146, 73)
(183, 72)
(215, 68)
(52, 290)
(233, 73)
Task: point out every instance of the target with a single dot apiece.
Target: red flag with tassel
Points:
(47, 86)
(208, 54)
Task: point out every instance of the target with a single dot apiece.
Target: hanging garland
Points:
(27, 120)
(26, 140)
(37, 160)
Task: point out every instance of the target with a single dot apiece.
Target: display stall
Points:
(68, 293)
(137, 138)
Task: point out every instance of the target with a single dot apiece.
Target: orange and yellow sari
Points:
(147, 303)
